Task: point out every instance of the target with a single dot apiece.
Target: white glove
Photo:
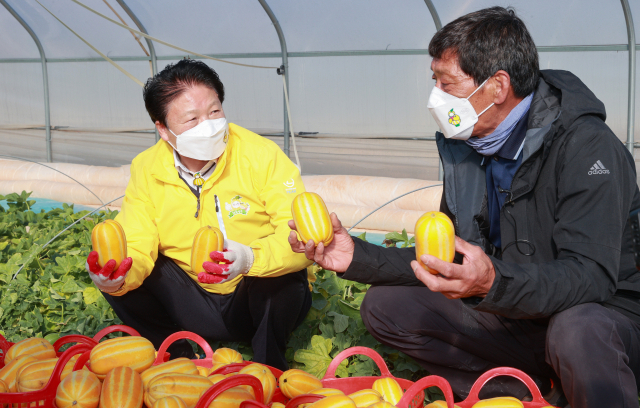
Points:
(236, 259)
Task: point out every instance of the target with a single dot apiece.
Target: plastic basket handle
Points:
(352, 351)
(82, 360)
(230, 368)
(509, 371)
(49, 390)
(252, 404)
(4, 347)
(423, 384)
(73, 338)
(233, 381)
(115, 328)
(208, 353)
(303, 399)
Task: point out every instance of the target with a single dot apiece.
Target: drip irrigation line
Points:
(389, 202)
(61, 232)
(64, 174)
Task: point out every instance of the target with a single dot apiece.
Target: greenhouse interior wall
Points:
(358, 72)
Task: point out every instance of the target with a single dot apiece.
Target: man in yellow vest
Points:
(206, 171)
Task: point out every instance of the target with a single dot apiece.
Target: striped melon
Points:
(382, 404)
(296, 382)
(189, 387)
(206, 240)
(134, 351)
(109, 241)
(169, 402)
(35, 347)
(435, 235)
(203, 371)
(226, 356)
(231, 398)
(499, 402)
(277, 405)
(122, 388)
(34, 376)
(389, 389)
(334, 401)
(442, 404)
(366, 397)
(180, 365)
(265, 376)
(311, 217)
(9, 373)
(3, 387)
(216, 378)
(80, 389)
(327, 392)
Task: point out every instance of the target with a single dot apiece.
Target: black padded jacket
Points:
(565, 225)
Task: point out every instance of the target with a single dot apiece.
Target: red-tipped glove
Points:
(105, 278)
(235, 259)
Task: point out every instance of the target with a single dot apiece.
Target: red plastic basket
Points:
(45, 397)
(303, 399)
(233, 381)
(278, 396)
(352, 384)
(537, 401)
(426, 382)
(72, 338)
(163, 356)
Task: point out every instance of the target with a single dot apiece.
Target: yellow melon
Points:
(109, 241)
(499, 402)
(180, 365)
(389, 389)
(9, 372)
(189, 387)
(206, 240)
(266, 377)
(169, 402)
(364, 398)
(226, 356)
(296, 382)
(80, 389)
(133, 351)
(435, 235)
(35, 347)
(334, 401)
(312, 219)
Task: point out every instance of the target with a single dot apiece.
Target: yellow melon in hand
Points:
(435, 235)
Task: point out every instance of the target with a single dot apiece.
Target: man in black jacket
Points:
(540, 192)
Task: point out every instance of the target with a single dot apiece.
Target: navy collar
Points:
(513, 146)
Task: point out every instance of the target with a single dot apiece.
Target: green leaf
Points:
(340, 321)
(52, 337)
(90, 295)
(316, 360)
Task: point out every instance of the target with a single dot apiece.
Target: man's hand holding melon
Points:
(108, 263)
(435, 243)
(332, 247)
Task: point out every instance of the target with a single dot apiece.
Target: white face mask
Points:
(206, 141)
(455, 116)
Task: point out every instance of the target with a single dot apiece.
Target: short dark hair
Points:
(172, 81)
(489, 40)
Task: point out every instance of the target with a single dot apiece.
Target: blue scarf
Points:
(490, 144)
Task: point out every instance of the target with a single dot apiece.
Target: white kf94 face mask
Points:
(455, 116)
(206, 141)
